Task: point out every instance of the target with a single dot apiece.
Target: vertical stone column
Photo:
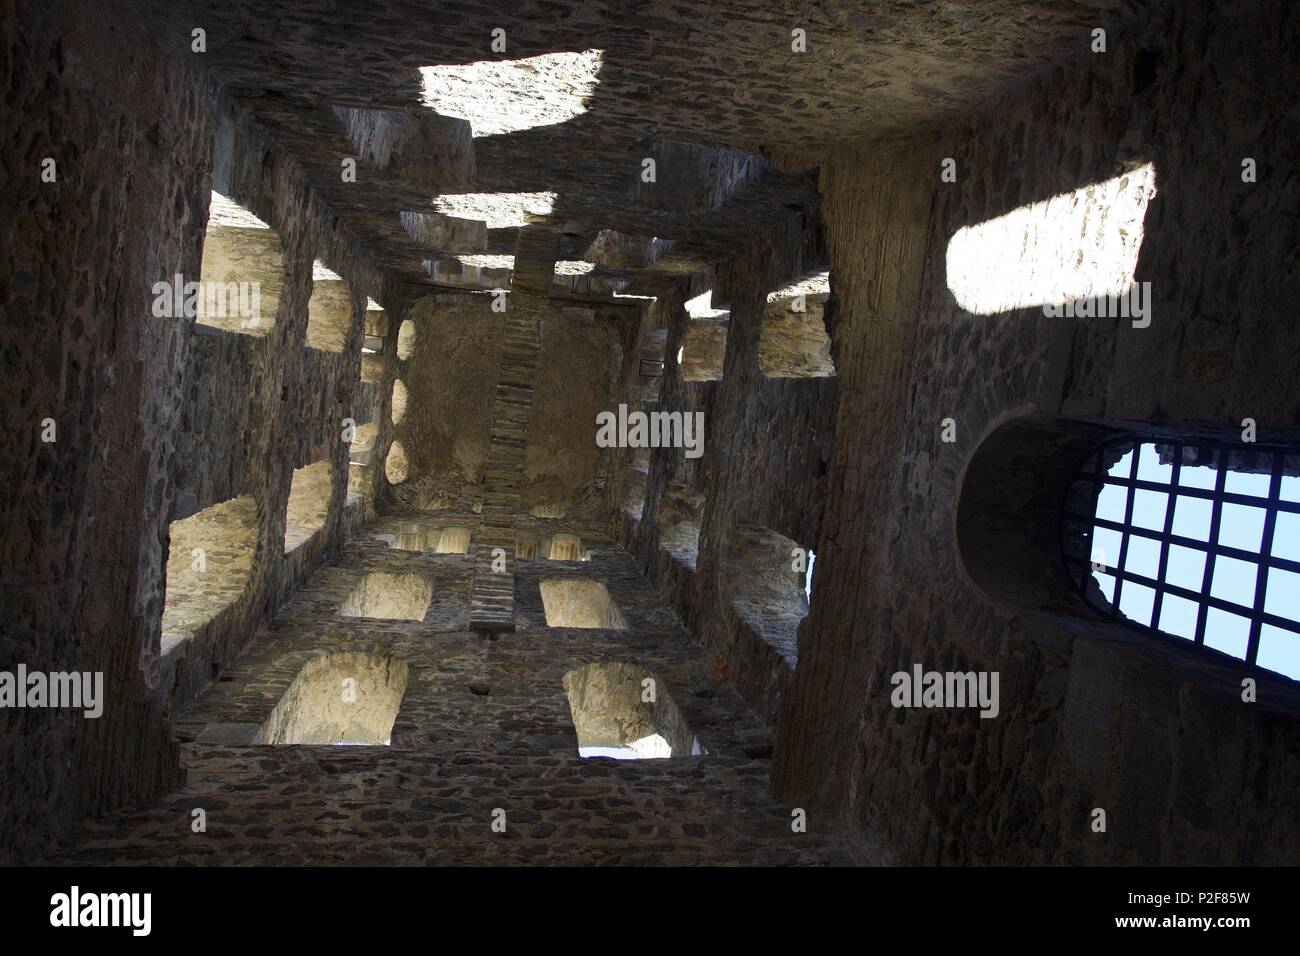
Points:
(492, 597)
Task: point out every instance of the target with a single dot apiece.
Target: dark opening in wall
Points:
(633, 489)
(679, 518)
(624, 711)
(764, 576)
(1198, 541)
(578, 602)
(1008, 514)
(650, 365)
(348, 697)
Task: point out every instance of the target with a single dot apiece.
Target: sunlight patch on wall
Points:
(498, 210)
(506, 96)
(1073, 246)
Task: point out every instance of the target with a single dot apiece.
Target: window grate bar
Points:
(1128, 523)
(1216, 516)
(1265, 550)
(1163, 566)
(1224, 550)
(1229, 497)
(1223, 605)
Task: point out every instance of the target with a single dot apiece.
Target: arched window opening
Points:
(764, 580)
(242, 271)
(329, 310)
(209, 564)
(579, 602)
(625, 712)
(345, 698)
(793, 342)
(309, 502)
(1197, 540)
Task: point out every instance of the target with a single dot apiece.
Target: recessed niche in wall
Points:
(650, 365)
(624, 711)
(363, 443)
(566, 547)
(208, 566)
(372, 343)
(242, 270)
(453, 541)
(396, 466)
(578, 602)
(704, 350)
(704, 340)
(360, 490)
(309, 503)
(679, 516)
(406, 340)
(392, 597)
(764, 580)
(329, 310)
(347, 697)
(411, 537)
(793, 342)
(633, 488)
(398, 404)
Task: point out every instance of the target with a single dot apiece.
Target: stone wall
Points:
(764, 463)
(483, 724)
(1092, 715)
(156, 417)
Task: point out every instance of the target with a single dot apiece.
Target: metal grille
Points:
(1197, 541)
